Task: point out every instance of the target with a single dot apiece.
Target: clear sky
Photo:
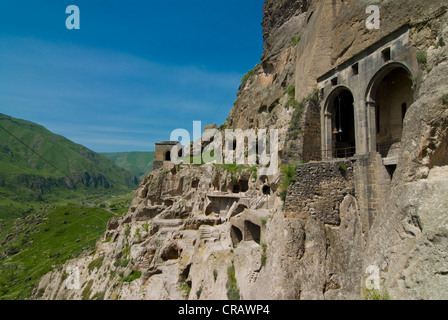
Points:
(135, 71)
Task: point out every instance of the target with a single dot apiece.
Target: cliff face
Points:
(409, 238)
(214, 232)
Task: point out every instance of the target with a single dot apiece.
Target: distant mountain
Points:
(38, 165)
(138, 163)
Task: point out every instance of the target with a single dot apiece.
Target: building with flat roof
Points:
(163, 153)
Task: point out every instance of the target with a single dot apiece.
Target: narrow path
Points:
(110, 211)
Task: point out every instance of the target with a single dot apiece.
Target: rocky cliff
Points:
(223, 232)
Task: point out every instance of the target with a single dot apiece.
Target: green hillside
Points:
(37, 243)
(138, 163)
(38, 167)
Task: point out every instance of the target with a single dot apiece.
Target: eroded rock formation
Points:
(208, 232)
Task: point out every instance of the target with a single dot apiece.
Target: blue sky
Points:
(135, 71)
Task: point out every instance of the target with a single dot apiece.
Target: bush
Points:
(137, 234)
(233, 292)
(289, 175)
(126, 251)
(342, 168)
(87, 291)
(295, 40)
(263, 254)
(234, 168)
(97, 263)
(247, 76)
(422, 57)
(134, 275)
(290, 91)
(186, 287)
(215, 274)
(99, 295)
(292, 103)
(121, 263)
(127, 231)
(374, 294)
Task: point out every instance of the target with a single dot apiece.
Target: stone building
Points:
(163, 152)
(363, 102)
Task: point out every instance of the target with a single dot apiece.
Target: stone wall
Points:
(161, 150)
(372, 186)
(319, 190)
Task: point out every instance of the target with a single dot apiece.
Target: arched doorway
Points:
(391, 94)
(340, 124)
(168, 156)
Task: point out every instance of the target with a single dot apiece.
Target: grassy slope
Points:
(66, 155)
(25, 177)
(37, 236)
(39, 242)
(138, 163)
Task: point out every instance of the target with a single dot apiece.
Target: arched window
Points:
(391, 93)
(340, 125)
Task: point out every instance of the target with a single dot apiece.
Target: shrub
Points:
(97, 263)
(99, 295)
(215, 274)
(295, 40)
(290, 91)
(223, 126)
(234, 168)
(126, 251)
(127, 231)
(134, 275)
(186, 287)
(289, 175)
(374, 294)
(292, 103)
(263, 254)
(247, 76)
(342, 168)
(422, 57)
(137, 234)
(233, 292)
(87, 291)
(121, 263)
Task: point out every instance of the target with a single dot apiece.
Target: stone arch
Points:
(339, 139)
(240, 186)
(252, 231)
(388, 96)
(239, 209)
(266, 189)
(236, 235)
(168, 155)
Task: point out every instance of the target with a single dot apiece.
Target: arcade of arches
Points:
(390, 95)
